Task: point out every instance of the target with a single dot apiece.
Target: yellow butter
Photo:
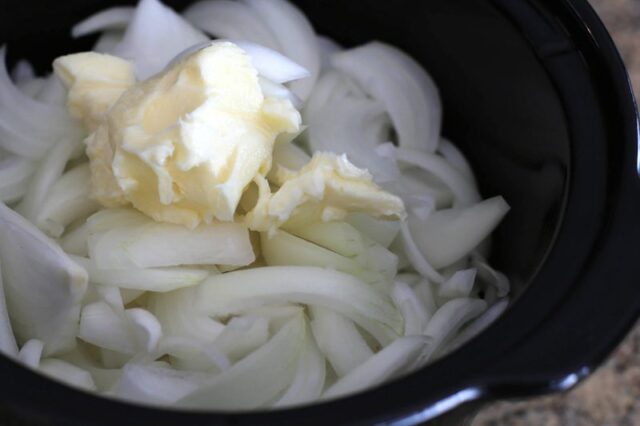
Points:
(183, 145)
(327, 188)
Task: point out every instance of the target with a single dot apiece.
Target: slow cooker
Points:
(536, 95)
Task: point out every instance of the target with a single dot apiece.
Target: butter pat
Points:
(327, 188)
(94, 82)
(183, 145)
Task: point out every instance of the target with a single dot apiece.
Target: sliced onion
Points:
(454, 156)
(32, 87)
(31, 352)
(156, 244)
(230, 20)
(395, 359)
(459, 285)
(241, 336)
(22, 72)
(108, 219)
(155, 384)
(423, 289)
(354, 125)
(54, 93)
(416, 257)
(223, 294)
(156, 279)
(258, 378)
(67, 201)
(48, 172)
(113, 18)
(284, 249)
(178, 318)
(29, 127)
(108, 42)
(381, 231)
(34, 270)
(478, 325)
(100, 325)
(328, 47)
(415, 314)
(451, 317)
(309, 380)
(273, 65)
(295, 36)
(403, 86)
(15, 175)
(446, 236)
(75, 241)
(146, 329)
(193, 355)
(490, 275)
(339, 341)
(68, 374)
(154, 36)
(463, 189)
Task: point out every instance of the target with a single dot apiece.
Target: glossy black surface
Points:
(536, 95)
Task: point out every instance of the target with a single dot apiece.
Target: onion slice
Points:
(223, 294)
(35, 269)
(154, 36)
(295, 36)
(395, 359)
(258, 378)
(230, 20)
(113, 18)
(403, 86)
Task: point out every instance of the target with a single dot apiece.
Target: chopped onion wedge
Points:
(31, 352)
(241, 336)
(463, 189)
(458, 285)
(15, 175)
(395, 359)
(50, 170)
(415, 314)
(43, 287)
(156, 279)
(256, 379)
(114, 18)
(68, 374)
(295, 36)
(154, 36)
(155, 384)
(100, 325)
(451, 317)
(67, 201)
(232, 20)
(309, 380)
(339, 340)
(273, 65)
(403, 86)
(223, 294)
(156, 244)
(446, 236)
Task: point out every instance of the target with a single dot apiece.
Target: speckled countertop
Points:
(611, 396)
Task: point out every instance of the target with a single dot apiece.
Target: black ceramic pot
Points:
(536, 95)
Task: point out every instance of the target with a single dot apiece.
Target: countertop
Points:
(611, 396)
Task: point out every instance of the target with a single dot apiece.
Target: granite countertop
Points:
(611, 396)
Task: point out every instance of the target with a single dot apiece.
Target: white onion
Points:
(231, 20)
(15, 175)
(114, 18)
(31, 352)
(294, 35)
(43, 287)
(154, 36)
(403, 86)
(256, 379)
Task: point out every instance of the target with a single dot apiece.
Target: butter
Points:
(183, 146)
(327, 188)
(94, 82)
